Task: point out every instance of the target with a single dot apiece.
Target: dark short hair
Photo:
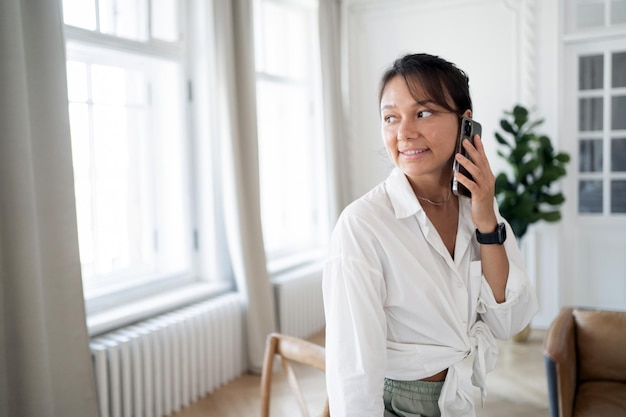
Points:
(441, 80)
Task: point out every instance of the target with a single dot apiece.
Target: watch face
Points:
(501, 230)
(499, 236)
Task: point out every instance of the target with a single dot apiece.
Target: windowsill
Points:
(293, 264)
(298, 273)
(128, 313)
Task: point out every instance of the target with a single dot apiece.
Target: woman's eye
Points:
(389, 119)
(424, 113)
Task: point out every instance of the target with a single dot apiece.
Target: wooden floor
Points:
(516, 388)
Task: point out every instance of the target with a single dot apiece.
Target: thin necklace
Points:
(436, 203)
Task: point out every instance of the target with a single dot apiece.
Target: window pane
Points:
(618, 155)
(618, 196)
(81, 155)
(590, 114)
(298, 51)
(591, 72)
(166, 144)
(590, 196)
(115, 85)
(618, 112)
(619, 69)
(117, 231)
(283, 47)
(590, 14)
(618, 12)
(79, 123)
(126, 19)
(590, 155)
(80, 13)
(274, 40)
(290, 150)
(77, 82)
(286, 156)
(165, 20)
(259, 30)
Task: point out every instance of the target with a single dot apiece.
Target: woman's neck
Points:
(437, 192)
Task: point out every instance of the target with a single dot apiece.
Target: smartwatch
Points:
(499, 236)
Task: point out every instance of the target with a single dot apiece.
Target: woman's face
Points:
(420, 136)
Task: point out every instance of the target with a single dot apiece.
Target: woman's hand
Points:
(482, 187)
(495, 263)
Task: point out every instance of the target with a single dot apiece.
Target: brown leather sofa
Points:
(585, 358)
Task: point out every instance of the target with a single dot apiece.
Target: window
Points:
(291, 151)
(602, 133)
(591, 15)
(128, 91)
(600, 93)
(128, 149)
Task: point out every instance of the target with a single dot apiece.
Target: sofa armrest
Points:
(560, 350)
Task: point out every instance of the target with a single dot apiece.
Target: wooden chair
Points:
(290, 349)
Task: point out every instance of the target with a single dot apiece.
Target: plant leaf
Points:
(520, 115)
(562, 157)
(519, 152)
(553, 199)
(533, 125)
(551, 216)
(507, 126)
(528, 167)
(503, 184)
(501, 140)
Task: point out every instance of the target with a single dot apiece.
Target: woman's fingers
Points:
(483, 185)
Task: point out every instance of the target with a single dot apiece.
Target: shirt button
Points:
(459, 284)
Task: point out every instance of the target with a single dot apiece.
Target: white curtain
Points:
(330, 56)
(45, 364)
(236, 107)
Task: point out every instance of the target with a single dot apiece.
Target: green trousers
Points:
(411, 398)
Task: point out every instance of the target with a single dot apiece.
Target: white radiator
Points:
(299, 302)
(157, 367)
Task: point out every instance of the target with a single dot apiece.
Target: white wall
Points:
(508, 49)
(548, 91)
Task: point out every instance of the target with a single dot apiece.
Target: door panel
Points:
(594, 133)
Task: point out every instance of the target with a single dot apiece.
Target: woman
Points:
(409, 291)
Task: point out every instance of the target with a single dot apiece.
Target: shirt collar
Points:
(401, 195)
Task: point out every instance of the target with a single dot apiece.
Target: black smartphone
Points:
(467, 129)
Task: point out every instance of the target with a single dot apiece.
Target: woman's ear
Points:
(467, 113)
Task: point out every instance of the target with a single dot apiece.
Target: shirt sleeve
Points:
(356, 329)
(510, 317)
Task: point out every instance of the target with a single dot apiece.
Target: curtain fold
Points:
(330, 57)
(236, 108)
(45, 363)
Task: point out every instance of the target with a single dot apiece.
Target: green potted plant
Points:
(525, 194)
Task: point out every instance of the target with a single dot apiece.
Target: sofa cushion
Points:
(600, 399)
(601, 342)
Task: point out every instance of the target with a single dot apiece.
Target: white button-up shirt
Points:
(399, 306)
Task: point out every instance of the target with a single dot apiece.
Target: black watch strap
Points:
(497, 237)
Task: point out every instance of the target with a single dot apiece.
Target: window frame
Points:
(114, 306)
(312, 250)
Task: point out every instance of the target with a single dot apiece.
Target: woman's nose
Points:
(407, 129)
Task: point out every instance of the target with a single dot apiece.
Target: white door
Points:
(594, 133)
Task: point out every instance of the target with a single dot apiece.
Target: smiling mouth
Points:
(413, 152)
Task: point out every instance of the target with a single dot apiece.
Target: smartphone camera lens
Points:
(468, 128)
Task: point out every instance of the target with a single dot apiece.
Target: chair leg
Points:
(295, 387)
(266, 375)
(553, 391)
